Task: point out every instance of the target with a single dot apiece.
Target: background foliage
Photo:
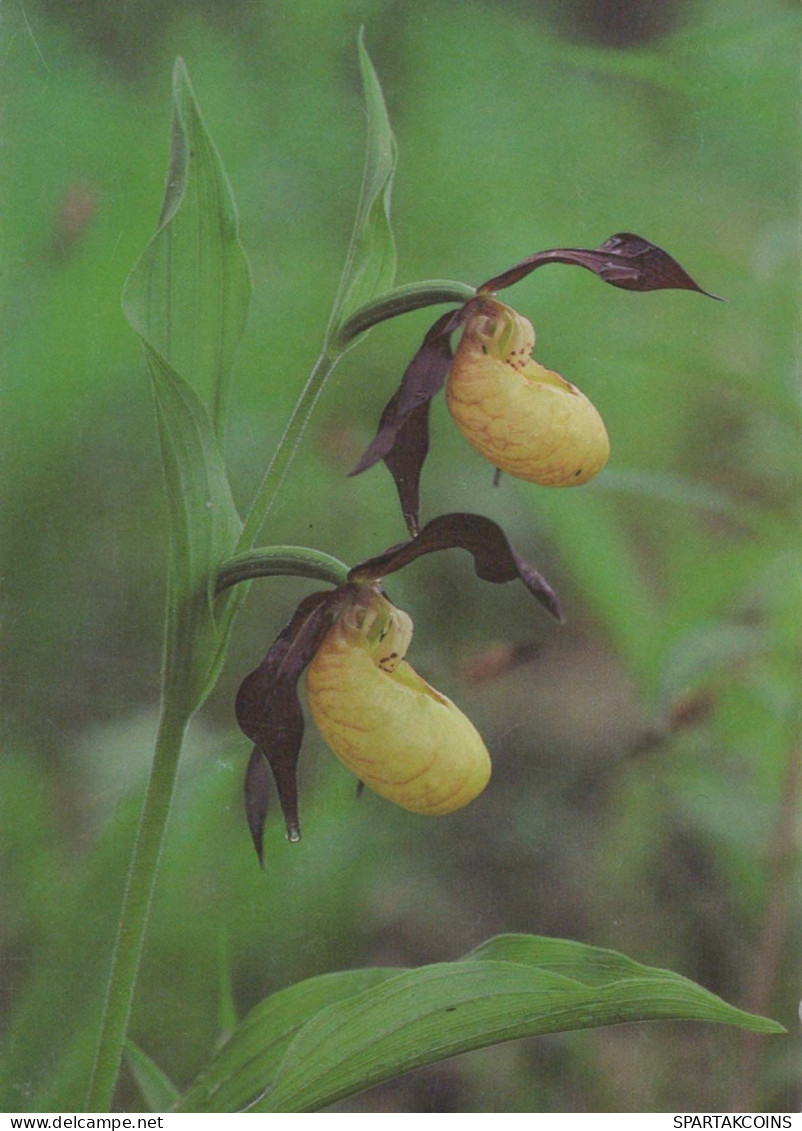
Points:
(646, 754)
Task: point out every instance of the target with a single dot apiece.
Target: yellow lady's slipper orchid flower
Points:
(527, 420)
(400, 736)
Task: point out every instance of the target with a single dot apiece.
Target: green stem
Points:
(135, 909)
(219, 409)
(402, 300)
(273, 561)
(286, 449)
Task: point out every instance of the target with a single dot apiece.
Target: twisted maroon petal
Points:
(624, 260)
(402, 440)
(269, 712)
(494, 559)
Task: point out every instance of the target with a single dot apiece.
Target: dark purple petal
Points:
(624, 260)
(405, 463)
(402, 440)
(654, 268)
(536, 584)
(257, 799)
(269, 711)
(493, 557)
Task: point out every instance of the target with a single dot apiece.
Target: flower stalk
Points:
(136, 907)
(274, 561)
(285, 450)
(401, 300)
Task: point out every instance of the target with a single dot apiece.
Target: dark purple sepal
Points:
(257, 799)
(493, 557)
(269, 711)
(624, 260)
(405, 462)
(402, 439)
(537, 586)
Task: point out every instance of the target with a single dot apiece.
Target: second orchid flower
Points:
(527, 420)
(400, 736)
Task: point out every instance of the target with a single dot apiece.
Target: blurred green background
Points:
(646, 753)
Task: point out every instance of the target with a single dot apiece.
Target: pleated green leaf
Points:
(158, 1091)
(203, 531)
(188, 295)
(187, 298)
(370, 260)
(590, 965)
(247, 1063)
(303, 1050)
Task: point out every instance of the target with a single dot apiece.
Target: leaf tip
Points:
(180, 74)
(365, 61)
(769, 1026)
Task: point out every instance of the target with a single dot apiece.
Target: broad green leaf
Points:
(591, 965)
(247, 1063)
(187, 299)
(226, 1008)
(438, 1011)
(203, 530)
(158, 1091)
(321, 1040)
(370, 260)
(188, 295)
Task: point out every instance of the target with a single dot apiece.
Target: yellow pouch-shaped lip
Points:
(399, 735)
(525, 419)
